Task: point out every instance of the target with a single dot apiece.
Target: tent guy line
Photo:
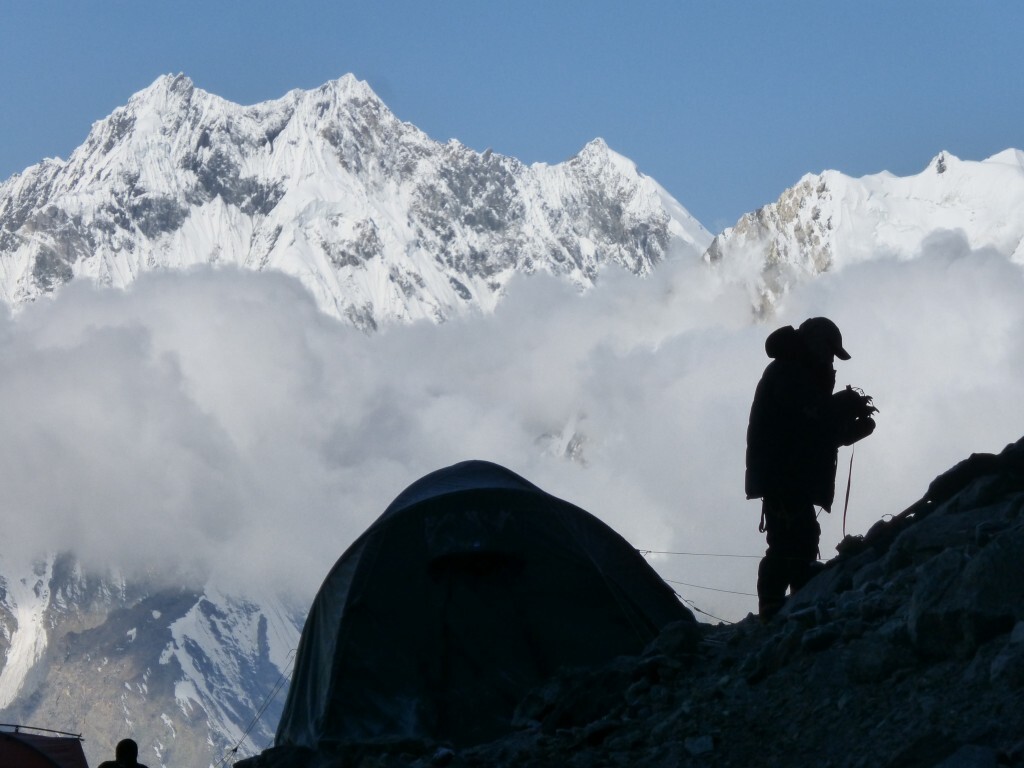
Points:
(712, 589)
(281, 680)
(646, 552)
(693, 606)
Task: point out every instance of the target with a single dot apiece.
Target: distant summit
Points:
(829, 221)
(380, 222)
(383, 224)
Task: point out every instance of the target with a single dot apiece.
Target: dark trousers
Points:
(789, 562)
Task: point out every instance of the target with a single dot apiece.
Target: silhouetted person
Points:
(796, 427)
(126, 755)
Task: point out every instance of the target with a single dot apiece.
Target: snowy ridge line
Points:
(829, 222)
(378, 221)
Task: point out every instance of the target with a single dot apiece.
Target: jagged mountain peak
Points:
(185, 671)
(597, 157)
(941, 163)
(598, 150)
(180, 85)
(342, 99)
(179, 89)
(378, 220)
(830, 220)
(348, 86)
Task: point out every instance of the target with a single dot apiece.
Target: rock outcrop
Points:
(906, 650)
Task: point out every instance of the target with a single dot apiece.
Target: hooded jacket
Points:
(793, 435)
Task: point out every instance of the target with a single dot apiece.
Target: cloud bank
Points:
(214, 423)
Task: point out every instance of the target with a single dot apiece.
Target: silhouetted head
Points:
(126, 752)
(823, 338)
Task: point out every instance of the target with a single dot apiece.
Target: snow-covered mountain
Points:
(830, 221)
(382, 224)
(185, 671)
(379, 221)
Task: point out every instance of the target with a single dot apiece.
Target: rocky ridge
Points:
(182, 670)
(380, 222)
(829, 221)
(906, 650)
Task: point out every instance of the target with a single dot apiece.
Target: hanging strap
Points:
(849, 482)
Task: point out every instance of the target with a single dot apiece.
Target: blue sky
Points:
(725, 103)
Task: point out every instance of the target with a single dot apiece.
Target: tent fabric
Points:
(29, 750)
(473, 587)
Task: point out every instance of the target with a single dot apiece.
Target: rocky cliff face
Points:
(182, 671)
(907, 650)
(380, 222)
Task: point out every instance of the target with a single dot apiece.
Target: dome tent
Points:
(473, 587)
(48, 749)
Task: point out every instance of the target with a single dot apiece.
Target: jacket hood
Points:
(785, 343)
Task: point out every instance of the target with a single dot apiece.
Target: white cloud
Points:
(215, 420)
